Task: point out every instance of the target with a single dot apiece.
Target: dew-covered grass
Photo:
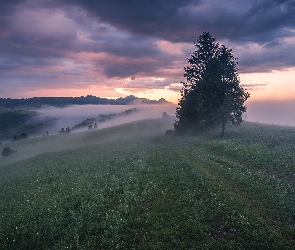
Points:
(133, 187)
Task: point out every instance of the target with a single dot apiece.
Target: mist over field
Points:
(99, 188)
(53, 119)
(124, 185)
(281, 113)
(271, 112)
(72, 115)
(268, 112)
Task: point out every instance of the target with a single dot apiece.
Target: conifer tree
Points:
(212, 94)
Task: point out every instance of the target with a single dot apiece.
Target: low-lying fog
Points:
(282, 113)
(271, 112)
(72, 115)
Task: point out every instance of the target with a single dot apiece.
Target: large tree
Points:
(211, 95)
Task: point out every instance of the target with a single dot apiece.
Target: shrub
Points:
(8, 151)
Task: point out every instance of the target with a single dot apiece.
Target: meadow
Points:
(133, 187)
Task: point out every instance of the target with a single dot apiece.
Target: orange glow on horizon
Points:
(153, 94)
(276, 85)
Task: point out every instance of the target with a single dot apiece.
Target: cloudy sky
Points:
(113, 48)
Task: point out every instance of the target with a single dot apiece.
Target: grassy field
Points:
(133, 187)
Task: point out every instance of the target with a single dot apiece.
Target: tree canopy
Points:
(212, 94)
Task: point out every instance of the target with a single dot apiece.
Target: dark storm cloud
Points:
(182, 21)
(272, 44)
(26, 45)
(275, 55)
(7, 6)
(39, 47)
(47, 39)
(131, 68)
(264, 22)
(267, 19)
(147, 17)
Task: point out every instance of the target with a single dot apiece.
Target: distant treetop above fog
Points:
(38, 102)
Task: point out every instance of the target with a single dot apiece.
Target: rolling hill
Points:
(133, 187)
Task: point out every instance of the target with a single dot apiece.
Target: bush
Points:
(7, 151)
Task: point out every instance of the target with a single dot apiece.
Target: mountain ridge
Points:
(38, 102)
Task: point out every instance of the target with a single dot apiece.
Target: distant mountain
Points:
(38, 102)
(16, 116)
(137, 100)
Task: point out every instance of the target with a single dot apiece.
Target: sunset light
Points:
(74, 48)
(147, 124)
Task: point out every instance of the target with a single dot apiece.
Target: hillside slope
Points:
(133, 187)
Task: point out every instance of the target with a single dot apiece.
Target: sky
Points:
(115, 48)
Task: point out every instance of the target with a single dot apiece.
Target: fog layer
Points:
(271, 112)
(72, 115)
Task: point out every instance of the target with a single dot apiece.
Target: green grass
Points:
(132, 187)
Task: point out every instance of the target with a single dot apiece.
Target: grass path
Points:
(254, 201)
(132, 187)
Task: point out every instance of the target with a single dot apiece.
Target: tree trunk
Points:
(222, 128)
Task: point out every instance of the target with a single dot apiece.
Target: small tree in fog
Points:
(8, 151)
(212, 94)
(164, 114)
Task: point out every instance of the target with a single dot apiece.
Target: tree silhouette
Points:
(212, 94)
